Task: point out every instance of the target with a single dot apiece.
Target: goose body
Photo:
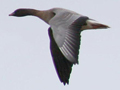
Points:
(64, 32)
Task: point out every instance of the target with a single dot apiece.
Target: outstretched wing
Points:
(62, 65)
(65, 42)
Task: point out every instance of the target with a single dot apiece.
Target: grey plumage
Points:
(64, 32)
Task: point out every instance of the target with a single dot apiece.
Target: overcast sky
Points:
(25, 60)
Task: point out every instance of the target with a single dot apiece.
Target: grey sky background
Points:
(25, 60)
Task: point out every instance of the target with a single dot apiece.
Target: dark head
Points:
(22, 12)
(45, 15)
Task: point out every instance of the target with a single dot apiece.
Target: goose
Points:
(65, 35)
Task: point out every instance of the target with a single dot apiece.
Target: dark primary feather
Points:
(62, 65)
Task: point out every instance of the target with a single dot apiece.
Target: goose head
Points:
(45, 15)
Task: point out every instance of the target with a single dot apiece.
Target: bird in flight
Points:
(65, 35)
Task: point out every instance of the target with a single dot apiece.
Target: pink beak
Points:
(11, 14)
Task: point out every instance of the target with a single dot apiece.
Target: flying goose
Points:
(64, 32)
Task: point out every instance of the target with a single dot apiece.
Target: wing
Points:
(62, 65)
(66, 32)
(65, 42)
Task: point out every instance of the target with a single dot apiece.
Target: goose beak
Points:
(96, 25)
(12, 14)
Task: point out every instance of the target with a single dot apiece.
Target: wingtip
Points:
(65, 83)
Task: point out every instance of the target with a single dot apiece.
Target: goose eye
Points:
(85, 24)
(53, 13)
